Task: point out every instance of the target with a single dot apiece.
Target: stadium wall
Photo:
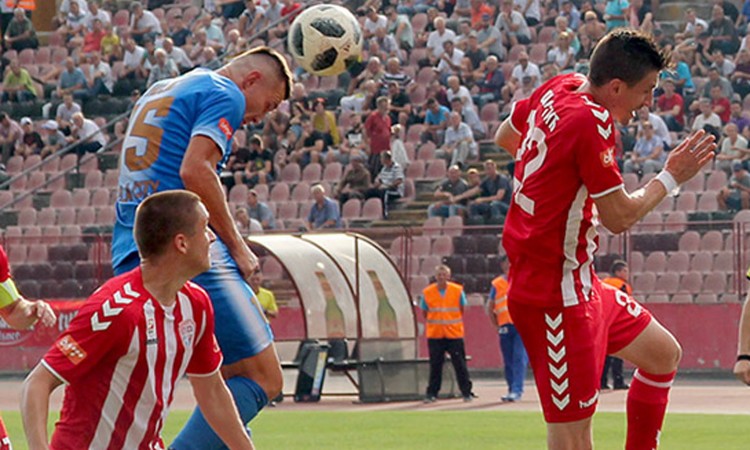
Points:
(708, 334)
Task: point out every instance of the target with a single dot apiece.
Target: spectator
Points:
(265, 297)
(100, 76)
(31, 142)
(210, 59)
(180, 33)
(489, 38)
(18, 85)
(400, 28)
(619, 280)
(616, 14)
(720, 104)
(660, 128)
(92, 39)
(648, 155)
(722, 32)
(311, 146)
(231, 10)
(492, 194)
(561, 26)
(398, 148)
(259, 168)
(373, 21)
(691, 19)
(389, 184)
(164, 68)
(387, 44)
(252, 19)
(246, 225)
(235, 44)
(378, 134)
(640, 16)
(143, 24)
(562, 55)
(459, 142)
(72, 81)
(524, 68)
(736, 117)
(473, 179)
(569, 11)
(275, 128)
(373, 72)
(681, 76)
(325, 122)
(736, 195)
(512, 25)
(95, 12)
(20, 33)
(444, 195)
(65, 111)
(740, 77)
(394, 73)
(670, 106)
(592, 27)
(490, 82)
(436, 119)
(400, 105)
(706, 118)
(470, 117)
(110, 45)
(132, 69)
(474, 57)
(356, 181)
(715, 79)
(176, 55)
(53, 138)
(725, 65)
(437, 39)
(11, 135)
(324, 212)
(75, 23)
(456, 90)
(260, 211)
(733, 149)
(449, 61)
(527, 84)
(87, 135)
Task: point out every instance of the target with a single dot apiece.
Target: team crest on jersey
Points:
(226, 128)
(187, 332)
(608, 157)
(70, 348)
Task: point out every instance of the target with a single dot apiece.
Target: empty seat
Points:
(676, 221)
(51, 234)
(657, 298)
(476, 265)
(466, 245)
(687, 201)
(716, 180)
(724, 262)
(487, 244)
(702, 262)
(290, 173)
(679, 262)
(442, 246)
(416, 169)
(437, 169)
(37, 253)
(692, 282)
(428, 264)
(715, 283)
(418, 283)
(352, 209)
(301, 192)
(86, 216)
(453, 226)
(287, 210)
(111, 178)
(682, 297)
(420, 246)
(312, 173)
(46, 217)
(61, 199)
(27, 217)
(105, 216)
(93, 180)
(457, 263)
(689, 241)
(712, 241)
(668, 282)
(695, 184)
(705, 297)
(644, 283)
(280, 192)
(372, 209)
(432, 226)
(655, 262)
(238, 194)
(29, 288)
(100, 197)
(708, 202)
(332, 172)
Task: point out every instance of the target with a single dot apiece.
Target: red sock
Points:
(4, 439)
(647, 403)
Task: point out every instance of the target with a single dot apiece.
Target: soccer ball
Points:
(325, 39)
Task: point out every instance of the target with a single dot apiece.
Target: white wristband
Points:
(670, 184)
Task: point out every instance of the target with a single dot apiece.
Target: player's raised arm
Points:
(35, 395)
(218, 408)
(198, 173)
(507, 137)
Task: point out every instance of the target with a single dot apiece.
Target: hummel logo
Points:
(589, 402)
(98, 326)
(601, 115)
(553, 323)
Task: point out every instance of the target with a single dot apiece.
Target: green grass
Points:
(450, 430)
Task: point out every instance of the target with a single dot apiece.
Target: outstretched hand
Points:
(742, 371)
(41, 312)
(685, 160)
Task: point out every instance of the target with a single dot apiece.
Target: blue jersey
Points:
(162, 123)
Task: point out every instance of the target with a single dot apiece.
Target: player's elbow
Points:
(193, 175)
(618, 224)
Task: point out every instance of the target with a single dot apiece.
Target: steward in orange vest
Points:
(28, 5)
(443, 305)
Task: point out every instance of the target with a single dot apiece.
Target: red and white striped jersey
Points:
(121, 358)
(565, 160)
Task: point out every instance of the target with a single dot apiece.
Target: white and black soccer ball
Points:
(325, 39)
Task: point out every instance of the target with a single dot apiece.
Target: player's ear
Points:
(251, 78)
(180, 243)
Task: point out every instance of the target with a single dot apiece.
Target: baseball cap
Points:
(26, 121)
(737, 166)
(253, 192)
(486, 16)
(50, 125)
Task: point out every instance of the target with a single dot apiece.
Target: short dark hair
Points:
(627, 55)
(161, 217)
(617, 266)
(281, 64)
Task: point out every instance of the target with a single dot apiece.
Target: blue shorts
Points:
(241, 326)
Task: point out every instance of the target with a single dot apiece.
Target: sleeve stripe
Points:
(54, 372)
(510, 118)
(203, 375)
(608, 191)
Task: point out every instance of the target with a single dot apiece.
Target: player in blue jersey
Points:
(178, 137)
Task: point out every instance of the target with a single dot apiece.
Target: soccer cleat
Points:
(605, 387)
(621, 386)
(512, 397)
(429, 399)
(469, 398)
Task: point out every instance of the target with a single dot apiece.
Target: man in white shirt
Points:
(177, 55)
(99, 76)
(660, 127)
(437, 38)
(523, 69)
(456, 90)
(450, 61)
(512, 25)
(459, 142)
(87, 134)
(143, 23)
(373, 21)
(691, 20)
(706, 117)
(133, 60)
(530, 10)
(97, 13)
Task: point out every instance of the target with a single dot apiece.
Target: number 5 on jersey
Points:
(136, 160)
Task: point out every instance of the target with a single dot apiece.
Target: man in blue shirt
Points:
(436, 119)
(324, 212)
(72, 81)
(179, 137)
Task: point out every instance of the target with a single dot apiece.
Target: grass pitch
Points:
(449, 430)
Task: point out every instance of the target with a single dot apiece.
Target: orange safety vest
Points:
(619, 283)
(500, 308)
(444, 319)
(28, 5)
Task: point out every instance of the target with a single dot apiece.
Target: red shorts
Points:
(4, 439)
(567, 347)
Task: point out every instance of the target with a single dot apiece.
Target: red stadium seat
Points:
(290, 173)
(47, 216)
(656, 262)
(86, 216)
(715, 283)
(724, 262)
(443, 246)
(679, 262)
(100, 197)
(280, 192)
(432, 226)
(676, 221)
(437, 169)
(692, 282)
(301, 192)
(716, 180)
(372, 209)
(682, 297)
(238, 194)
(288, 210)
(415, 170)
(712, 241)
(352, 209)
(668, 282)
(332, 172)
(490, 112)
(93, 180)
(453, 226)
(689, 241)
(708, 202)
(644, 282)
(27, 217)
(312, 172)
